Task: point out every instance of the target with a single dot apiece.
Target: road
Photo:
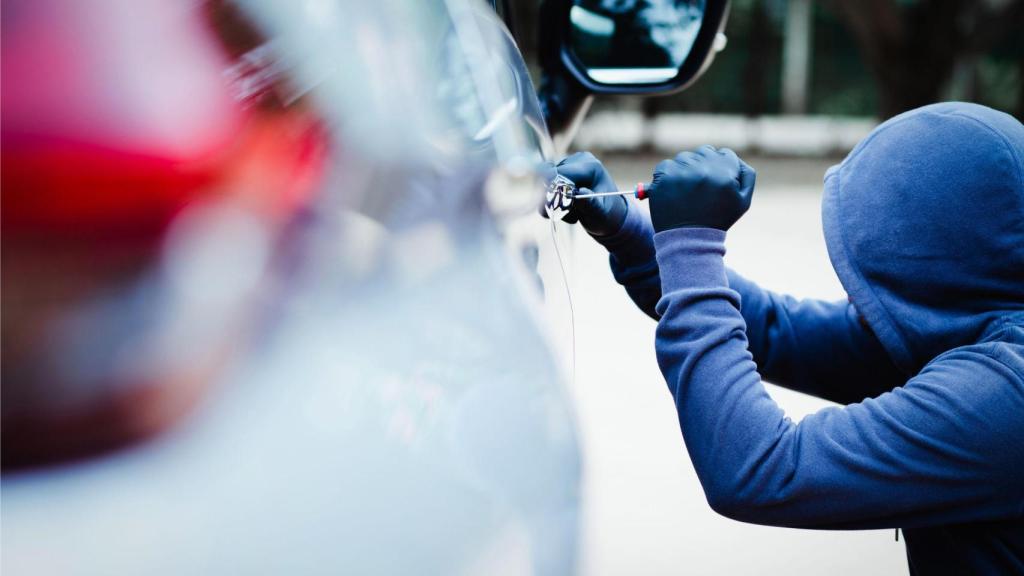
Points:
(645, 512)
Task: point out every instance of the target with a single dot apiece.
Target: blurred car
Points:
(275, 296)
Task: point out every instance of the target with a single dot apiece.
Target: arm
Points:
(632, 259)
(811, 346)
(944, 448)
(619, 225)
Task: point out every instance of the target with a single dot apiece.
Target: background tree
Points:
(914, 47)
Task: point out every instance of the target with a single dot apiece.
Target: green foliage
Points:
(840, 82)
(1001, 81)
(746, 77)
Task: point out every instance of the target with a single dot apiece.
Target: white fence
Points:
(804, 136)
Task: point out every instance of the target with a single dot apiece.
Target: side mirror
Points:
(639, 46)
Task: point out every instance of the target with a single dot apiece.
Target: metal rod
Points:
(599, 194)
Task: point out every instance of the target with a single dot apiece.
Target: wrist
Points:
(633, 242)
(665, 220)
(691, 257)
(605, 218)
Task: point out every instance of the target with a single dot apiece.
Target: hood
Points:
(924, 222)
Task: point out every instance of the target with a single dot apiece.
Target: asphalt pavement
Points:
(645, 512)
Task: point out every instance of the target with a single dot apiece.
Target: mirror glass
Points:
(634, 41)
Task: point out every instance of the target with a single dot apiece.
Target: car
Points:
(276, 297)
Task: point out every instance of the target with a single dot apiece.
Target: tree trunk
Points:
(755, 80)
(910, 50)
(1020, 91)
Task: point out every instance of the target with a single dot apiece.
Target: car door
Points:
(402, 404)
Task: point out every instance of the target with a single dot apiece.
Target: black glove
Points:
(708, 188)
(599, 216)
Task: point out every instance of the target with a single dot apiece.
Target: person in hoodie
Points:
(924, 222)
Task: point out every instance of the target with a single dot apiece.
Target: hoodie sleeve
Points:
(944, 448)
(812, 346)
(632, 259)
(815, 347)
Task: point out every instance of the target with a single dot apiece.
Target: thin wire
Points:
(568, 294)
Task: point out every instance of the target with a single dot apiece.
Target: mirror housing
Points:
(643, 47)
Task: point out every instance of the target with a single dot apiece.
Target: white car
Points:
(372, 380)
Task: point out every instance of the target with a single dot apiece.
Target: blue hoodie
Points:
(924, 223)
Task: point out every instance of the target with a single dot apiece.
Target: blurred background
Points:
(873, 58)
(798, 85)
(810, 77)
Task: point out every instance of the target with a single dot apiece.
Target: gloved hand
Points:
(709, 188)
(599, 216)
